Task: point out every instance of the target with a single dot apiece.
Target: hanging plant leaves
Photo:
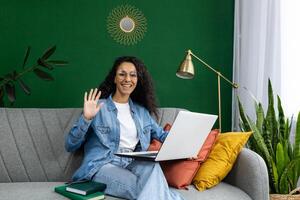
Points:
(48, 52)
(9, 80)
(44, 64)
(43, 75)
(14, 75)
(8, 76)
(24, 87)
(10, 91)
(26, 56)
(58, 62)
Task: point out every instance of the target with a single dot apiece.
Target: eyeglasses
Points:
(123, 75)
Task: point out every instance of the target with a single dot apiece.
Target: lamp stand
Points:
(186, 71)
(219, 99)
(234, 85)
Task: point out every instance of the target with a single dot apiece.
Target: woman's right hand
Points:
(91, 106)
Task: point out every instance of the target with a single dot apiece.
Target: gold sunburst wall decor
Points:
(126, 24)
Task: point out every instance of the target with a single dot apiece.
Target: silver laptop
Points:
(185, 139)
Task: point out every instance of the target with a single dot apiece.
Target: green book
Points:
(86, 187)
(94, 196)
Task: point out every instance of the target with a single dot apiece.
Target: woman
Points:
(121, 122)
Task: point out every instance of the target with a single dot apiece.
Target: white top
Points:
(128, 132)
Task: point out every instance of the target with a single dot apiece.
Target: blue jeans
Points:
(142, 180)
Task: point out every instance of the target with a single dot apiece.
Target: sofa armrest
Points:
(250, 174)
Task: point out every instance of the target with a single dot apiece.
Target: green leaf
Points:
(275, 177)
(270, 94)
(253, 145)
(267, 136)
(259, 139)
(294, 174)
(284, 177)
(26, 56)
(244, 124)
(48, 52)
(243, 116)
(280, 160)
(43, 75)
(10, 91)
(296, 147)
(287, 129)
(290, 151)
(271, 123)
(281, 119)
(58, 62)
(265, 154)
(287, 157)
(44, 64)
(24, 87)
(259, 117)
(283, 185)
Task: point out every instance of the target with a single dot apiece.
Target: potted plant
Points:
(9, 80)
(271, 141)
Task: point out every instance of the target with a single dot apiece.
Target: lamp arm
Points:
(217, 72)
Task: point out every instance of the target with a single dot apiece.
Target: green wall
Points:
(78, 28)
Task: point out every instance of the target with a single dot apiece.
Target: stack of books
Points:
(87, 190)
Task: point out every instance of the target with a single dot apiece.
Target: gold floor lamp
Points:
(186, 71)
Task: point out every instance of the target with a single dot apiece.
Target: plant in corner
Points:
(9, 80)
(271, 141)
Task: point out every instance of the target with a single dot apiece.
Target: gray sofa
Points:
(33, 159)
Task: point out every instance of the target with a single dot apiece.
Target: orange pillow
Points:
(180, 173)
(156, 144)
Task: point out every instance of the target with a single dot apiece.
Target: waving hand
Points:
(91, 106)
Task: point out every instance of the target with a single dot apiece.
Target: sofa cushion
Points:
(222, 191)
(44, 191)
(180, 173)
(220, 160)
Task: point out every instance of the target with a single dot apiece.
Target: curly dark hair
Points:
(143, 94)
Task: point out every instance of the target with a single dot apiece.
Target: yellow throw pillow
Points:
(221, 159)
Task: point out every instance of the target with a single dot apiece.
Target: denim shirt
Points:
(101, 136)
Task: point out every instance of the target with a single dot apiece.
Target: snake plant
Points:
(271, 140)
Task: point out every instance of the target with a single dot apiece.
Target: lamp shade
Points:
(186, 68)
